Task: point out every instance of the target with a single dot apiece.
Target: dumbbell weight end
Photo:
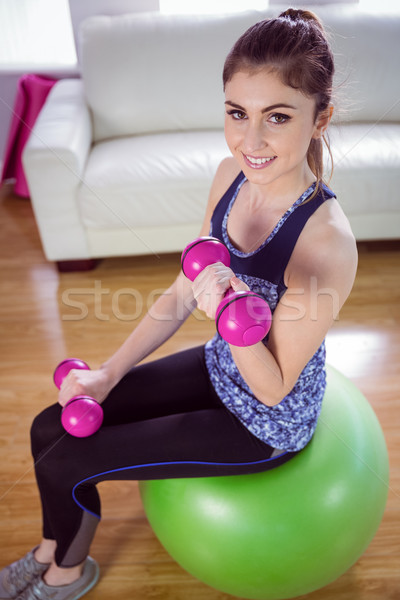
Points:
(82, 416)
(65, 366)
(200, 253)
(243, 318)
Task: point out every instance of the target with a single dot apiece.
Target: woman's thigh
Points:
(210, 442)
(177, 383)
(164, 420)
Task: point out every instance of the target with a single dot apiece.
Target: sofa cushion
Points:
(172, 173)
(366, 84)
(366, 167)
(150, 180)
(147, 73)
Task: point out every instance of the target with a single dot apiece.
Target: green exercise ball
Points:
(289, 531)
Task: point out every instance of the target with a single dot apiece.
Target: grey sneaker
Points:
(17, 576)
(39, 590)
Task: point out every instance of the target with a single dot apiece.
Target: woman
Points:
(218, 409)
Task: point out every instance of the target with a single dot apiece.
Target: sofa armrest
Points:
(54, 160)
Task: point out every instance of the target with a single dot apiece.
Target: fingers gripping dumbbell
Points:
(82, 415)
(242, 318)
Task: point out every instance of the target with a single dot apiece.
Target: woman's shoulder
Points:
(327, 245)
(228, 170)
(331, 224)
(225, 175)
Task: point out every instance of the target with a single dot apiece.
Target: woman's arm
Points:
(174, 306)
(319, 278)
(161, 321)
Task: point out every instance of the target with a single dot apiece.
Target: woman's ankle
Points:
(56, 576)
(44, 553)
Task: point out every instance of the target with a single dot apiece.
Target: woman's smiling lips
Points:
(258, 162)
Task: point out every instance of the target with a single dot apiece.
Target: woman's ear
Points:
(322, 122)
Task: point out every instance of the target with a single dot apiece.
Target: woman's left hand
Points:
(211, 285)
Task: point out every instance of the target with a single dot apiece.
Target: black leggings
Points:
(163, 420)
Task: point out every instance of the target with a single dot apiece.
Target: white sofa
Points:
(120, 161)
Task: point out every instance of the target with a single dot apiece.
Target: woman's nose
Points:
(254, 139)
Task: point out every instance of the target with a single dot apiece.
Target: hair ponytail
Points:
(298, 14)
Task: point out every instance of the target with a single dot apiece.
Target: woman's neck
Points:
(280, 194)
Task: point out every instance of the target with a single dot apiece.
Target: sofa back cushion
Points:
(150, 73)
(366, 46)
(147, 73)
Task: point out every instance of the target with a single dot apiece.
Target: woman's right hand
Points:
(82, 382)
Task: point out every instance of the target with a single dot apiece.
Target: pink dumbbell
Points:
(82, 415)
(242, 318)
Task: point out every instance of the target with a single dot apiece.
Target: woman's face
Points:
(268, 128)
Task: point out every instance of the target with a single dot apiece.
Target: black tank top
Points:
(269, 261)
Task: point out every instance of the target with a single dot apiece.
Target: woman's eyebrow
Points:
(264, 110)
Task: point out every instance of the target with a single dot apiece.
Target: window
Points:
(36, 35)
(210, 6)
(227, 6)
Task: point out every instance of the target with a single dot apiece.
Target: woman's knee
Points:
(46, 428)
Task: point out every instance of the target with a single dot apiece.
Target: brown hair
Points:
(296, 47)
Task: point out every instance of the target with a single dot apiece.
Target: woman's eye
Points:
(238, 115)
(279, 118)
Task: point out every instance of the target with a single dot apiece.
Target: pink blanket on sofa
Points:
(32, 91)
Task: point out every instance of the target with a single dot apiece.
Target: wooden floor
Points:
(46, 316)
